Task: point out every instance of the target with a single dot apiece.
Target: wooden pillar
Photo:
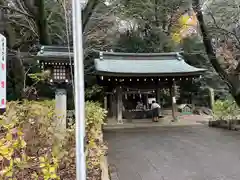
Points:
(158, 95)
(173, 97)
(105, 102)
(211, 97)
(110, 104)
(146, 101)
(114, 105)
(119, 104)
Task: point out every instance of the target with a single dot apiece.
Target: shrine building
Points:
(140, 76)
(128, 78)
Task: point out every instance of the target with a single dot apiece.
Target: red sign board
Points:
(2, 84)
(3, 54)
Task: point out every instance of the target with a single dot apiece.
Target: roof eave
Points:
(139, 54)
(53, 58)
(175, 74)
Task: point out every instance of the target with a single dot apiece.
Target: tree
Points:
(185, 26)
(230, 77)
(29, 23)
(150, 23)
(195, 55)
(42, 21)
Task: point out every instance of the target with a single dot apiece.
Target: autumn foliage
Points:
(32, 147)
(184, 26)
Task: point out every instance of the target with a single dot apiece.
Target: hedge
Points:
(33, 147)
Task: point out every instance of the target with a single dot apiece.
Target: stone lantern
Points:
(59, 61)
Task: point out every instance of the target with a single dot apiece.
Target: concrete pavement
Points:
(176, 153)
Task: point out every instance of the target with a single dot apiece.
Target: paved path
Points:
(177, 153)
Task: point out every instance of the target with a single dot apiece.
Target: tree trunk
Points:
(44, 37)
(231, 80)
(88, 11)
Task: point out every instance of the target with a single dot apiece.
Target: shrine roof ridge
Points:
(56, 49)
(140, 56)
(53, 53)
(144, 64)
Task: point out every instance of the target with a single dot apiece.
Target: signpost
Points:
(3, 52)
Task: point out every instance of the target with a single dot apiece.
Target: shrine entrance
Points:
(133, 80)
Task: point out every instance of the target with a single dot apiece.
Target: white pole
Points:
(79, 89)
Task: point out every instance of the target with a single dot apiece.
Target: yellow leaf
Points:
(9, 126)
(176, 37)
(2, 141)
(9, 136)
(8, 157)
(42, 165)
(11, 163)
(45, 171)
(17, 160)
(15, 144)
(52, 170)
(55, 160)
(184, 19)
(6, 152)
(19, 132)
(47, 177)
(9, 173)
(41, 159)
(23, 143)
(53, 176)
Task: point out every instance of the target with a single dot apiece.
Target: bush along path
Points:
(226, 115)
(31, 147)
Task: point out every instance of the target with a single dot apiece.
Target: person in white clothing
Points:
(155, 107)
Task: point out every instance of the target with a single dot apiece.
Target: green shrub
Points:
(95, 116)
(226, 110)
(32, 147)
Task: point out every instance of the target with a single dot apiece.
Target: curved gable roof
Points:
(143, 64)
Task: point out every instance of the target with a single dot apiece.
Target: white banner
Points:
(3, 67)
(174, 100)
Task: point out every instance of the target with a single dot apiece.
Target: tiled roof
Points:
(144, 64)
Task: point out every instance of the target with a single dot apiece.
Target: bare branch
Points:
(16, 10)
(222, 29)
(30, 4)
(22, 25)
